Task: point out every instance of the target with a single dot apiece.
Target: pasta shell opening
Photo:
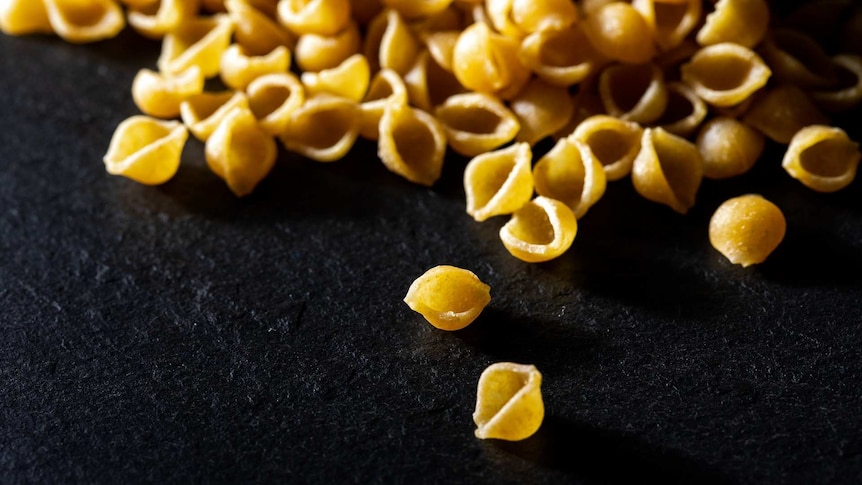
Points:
(671, 21)
(322, 17)
(156, 19)
(613, 142)
(203, 112)
(743, 22)
(146, 150)
(509, 402)
(541, 230)
(273, 98)
(634, 92)
(412, 144)
(725, 74)
(77, 21)
(428, 84)
(561, 58)
(449, 298)
(685, 110)
(323, 129)
(240, 152)
(823, 158)
(569, 173)
(477, 123)
(499, 182)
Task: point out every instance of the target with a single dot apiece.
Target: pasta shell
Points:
(20, 17)
(671, 22)
(685, 110)
(240, 152)
(477, 123)
(725, 74)
(318, 52)
(386, 87)
(389, 43)
(202, 113)
(845, 97)
(613, 142)
(349, 79)
(321, 17)
(488, 62)
(80, 22)
(256, 32)
(620, 32)
(412, 144)
(540, 231)
(449, 298)
(323, 129)
(633, 92)
(728, 147)
(499, 182)
(160, 95)
(823, 158)
(412, 9)
(559, 57)
(273, 98)
(441, 46)
(796, 58)
(518, 18)
(668, 170)
(196, 42)
(161, 16)
(742, 22)
(541, 109)
(747, 229)
(782, 111)
(509, 402)
(570, 174)
(429, 85)
(146, 150)
(239, 68)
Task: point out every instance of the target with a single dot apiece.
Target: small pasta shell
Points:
(476, 123)
(796, 58)
(541, 109)
(685, 110)
(671, 22)
(449, 298)
(239, 68)
(240, 152)
(519, 18)
(613, 142)
(146, 150)
(273, 98)
(349, 79)
(633, 92)
(389, 43)
(161, 95)
(429, 85)
(725, 74)
(559, 57)
(196, 42)
(202, 113)
(846, 97)
(742, 22)
(668, 170)
(488, 62)
(747, 229)
(318, 52)
(412, 9)
(323, 129)
(160, 17)
(21, 17)
(321, 17)
(499, 182)
(823, 158)
(570, 173)
(80, 22)
(728, 147)
(782, 111)
(256, 32)
(540, 231)
(441, 46)
(386, 87)
(620, 32)
(509, 402)
(412, 144)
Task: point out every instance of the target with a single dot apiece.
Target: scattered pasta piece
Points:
(668, 170)
(633, 92)
(386, 87)
(476, 123)
(747, 229)
(323, 129)
(273, 98)
(796, 58)
(79, 22)
(725, 74)
(571, 174)
(412, 144)
(540, 231)
(728, 147)
(509, 402)
(254, 30)
(613, 142)
(146, 150)
(240, 152)
(429, 84)
(823, 158)
(160, 96)
(499, 182)
(239, 68)
(742, 22)
(449, 298)
(196, 42)
(349, 79)
(202, 113)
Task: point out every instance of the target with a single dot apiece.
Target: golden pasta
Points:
(412, 144)
(273, 98)
(843, 97)
(449, 298)
(428, 84)
(685, 110)
(633, 92)
(541, 109)
(476, 123)
(255, 31)
(146, 150)
(671, 22)
(389, 43)
(725, 74)
(509, 402)
(20, 17)
(796, 58)
(570, 174)
(321, 17)
(782, 111)
(196, 42)
(323, 129)
(540, 231)
(559, 57)
(160, 17)
(386, 87)
(747, 229)
(742, 22)
(823, 158)
(728, 147)
(441, 46)
(240, 152)
(238, 68)
(518, 18)
(499, 182)
(203, 112)
(350, 79)
(668, 170)
(620, 32)
(318, 52)
(412, 9)
(80, 22)
(488, 62)
(613, 142)
(160, 95)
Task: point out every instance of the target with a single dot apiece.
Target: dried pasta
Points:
(725, 74)
(89, 21)
(685, 110)
(240, 152)
(823, 158)
(499, 182)
(782, 111)
(509, 402)
(273, 98)
(559, 57)
(160, 17)
(386, 87)
(476, 123)
(672, 21)
(518, 18)
(571, 174)
(196, 42)
(321, 17)
(412, 143)
(238, 67)
(316, 52)
(747, 229)
(620, 32)
(389, 43)
(613, 142)
(203, 112)
(412, 9)
(20, 17)
(160, 95)
(633, 92)
(323, 129)
(728, 147)
(668, 170)
(742, 22)
(541, 109)
(540, 231)
(350, 79)
(488, 62)
(428, 84)
(146, 150)
(256, 31)
(449, 298)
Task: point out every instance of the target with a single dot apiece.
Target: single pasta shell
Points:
(823, 158)
(315, 52)
(633, 92)
(146, 150)
(240, 152)
(349, 79)
(200, 42)
(254, 30)
(671, 22)
(161, 95)
(725, 74)
(389, 43)
(540, 231)
(412, 144)
(541, 109)
(499, 182)
(571, 174)
(20, 17)
(386, 87)
(743, 22)
(559, 57)
(80, 22)
(450, 298)
(747, 229)
(509, 402)
(476, 123)
(722, 159)
(844, 98)
(323, 129)
(321, 17)
(668, 170)
(273, 98)
(613, 142)
(685, 110)
(238, 68)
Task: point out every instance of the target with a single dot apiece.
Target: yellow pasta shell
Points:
(254, 30)
(316, 52)
(670, 22)
(273, 98)
(161, 95)
(20, 17)
(386, 87)
(509, 402)
(685, 110)
(725, 74)
(476, 123)
(613, 142)
(668, 170)
(161, 16)
(559, 57)
(499, 182)
(321, 17)
(540, 231)
(449, 298)
(633, 92)
(413, 9)
(196, 42)
(146, 150)
(488, 62)
(742, 22)
(323, 129)
(412, 144)
(620, 32)
(823, 158)
(746, 229)
(541, 109)
(428, 84)
(240, 152)
(350, 79)
(389, 43)
(570, 173)
(202, 113)
(89, 21)
(238, 67)
(728, 147)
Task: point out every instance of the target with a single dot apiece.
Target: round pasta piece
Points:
(318, 52)
(823, 158)
(389, 43)
(240, 152)
(742, 22)
(613, 142)
(196, 42)
(685, 110)
(254, 30)
(146, 150)
(476, 123)
(725, 74)
(160, 95)
(844, 97)
(746, 229)
(89, 21)
(321, 17)
(202, 113)
(428, 84)
(671, 22)
(239, 68)
(323, 129)
(21, 17)
(541, 109)
(728, 147)
(488, 62)
(570, 173)
(782, 111)
(540, 231)
(620, 32)
(499, 182)
(386, 87)
(509, 402)
(349, 79)
(668, 170)
(796, 58)
(450, 298)
(273, 98)
(158, 18)
(633, 92)
(412, 9)
(412, 144)
(559, 57)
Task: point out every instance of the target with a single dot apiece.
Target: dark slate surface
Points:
(176, 334)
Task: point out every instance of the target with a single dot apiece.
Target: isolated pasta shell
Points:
(846, 97)
(273, 99)
(256, 32)
(668, 170)
(89, 21)
(323, 129)
(20, 17)
(196, 42)
(742, 22)
(509, 402)
(161, 95)
(540, 231)
(570, 173)
(316, 52)
(685, 110)
(350, 79)
(671, 22)
(541, 109)
(633, 92)
(161, 16)
(412, 144)
(321, 17)
(747, 229)
(728, 147)
(202, 113)
(823, 158)
(782, 111)
(449, 298)
(240, 152)
(238, 67)
(389, 43)
(499, 182)
(386, 87)
(725, 74)
(613, 142)
(559, 57)
(476, 123)
(146, 150)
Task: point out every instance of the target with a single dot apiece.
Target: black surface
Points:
(178, 334)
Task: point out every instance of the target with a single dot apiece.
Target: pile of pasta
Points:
(665, 92)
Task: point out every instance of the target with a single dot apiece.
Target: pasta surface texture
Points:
(747, 229)
(540, 231)
(449, 298)
(499, 182)
(146, 150)
(509, 402)
(823, 158)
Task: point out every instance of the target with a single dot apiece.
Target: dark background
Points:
(177, 333)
